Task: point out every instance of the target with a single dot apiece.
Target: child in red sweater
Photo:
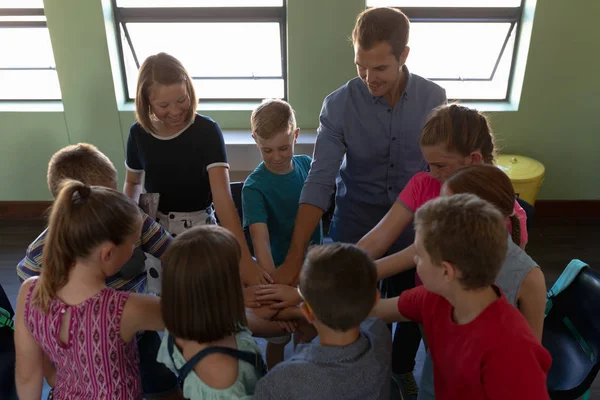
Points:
(481, 346)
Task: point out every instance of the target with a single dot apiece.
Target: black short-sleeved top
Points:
(177, 166)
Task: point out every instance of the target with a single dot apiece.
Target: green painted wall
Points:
(556, 122)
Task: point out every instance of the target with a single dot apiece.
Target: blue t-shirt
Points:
(273, 199)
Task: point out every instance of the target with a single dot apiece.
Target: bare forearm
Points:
(29, 387)
(261, 327)
(384, 234)
(230, 220)
(396, 263)
(290, 313)
(307, 220)
(262, 251)
(133, 190)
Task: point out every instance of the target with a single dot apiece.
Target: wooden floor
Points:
(553, 242)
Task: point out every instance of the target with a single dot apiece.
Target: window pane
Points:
(234, 54)
(29, 85)
(21, 3)
(199, 3)
(26, 48)
(462, 51)
(443, 3)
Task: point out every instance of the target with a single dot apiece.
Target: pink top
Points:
(95, 363)
(422, 187)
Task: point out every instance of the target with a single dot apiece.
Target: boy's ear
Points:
(310, 317)
(451, 273)
(296, 133)
(254, 137)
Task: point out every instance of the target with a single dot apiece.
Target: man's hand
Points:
(282, 296)
(252, 274)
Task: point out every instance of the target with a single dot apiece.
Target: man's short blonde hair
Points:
(271, 117)
(82, 162)
(466, 231)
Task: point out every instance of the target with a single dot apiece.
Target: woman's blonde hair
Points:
(82, 218)
(201, 294)
(460, 129)
(164, 69)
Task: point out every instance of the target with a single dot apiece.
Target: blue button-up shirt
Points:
(376, 145)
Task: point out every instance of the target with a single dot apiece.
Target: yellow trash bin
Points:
(526, 175)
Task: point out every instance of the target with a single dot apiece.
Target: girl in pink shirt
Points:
(453, 137)
(86, 329)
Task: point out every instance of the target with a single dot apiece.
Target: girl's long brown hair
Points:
(82, 218)
(491, 184)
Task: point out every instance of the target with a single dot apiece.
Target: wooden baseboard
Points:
(543, 208)
(568, 208)
(24, 209)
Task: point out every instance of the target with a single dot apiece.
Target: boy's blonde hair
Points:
(466, 231)
(339, 283)
(82, 162)
(460, 129)
(202, 297)
(164, 69)
(271, 117)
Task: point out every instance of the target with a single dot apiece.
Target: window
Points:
(466, 46)
(27, 68)
(233, 49)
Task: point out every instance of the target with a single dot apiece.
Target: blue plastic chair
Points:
(572, 336)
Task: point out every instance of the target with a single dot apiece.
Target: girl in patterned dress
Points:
(86, 329)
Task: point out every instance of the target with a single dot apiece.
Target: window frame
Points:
(512, 15)
(123, 15)
(25, 12)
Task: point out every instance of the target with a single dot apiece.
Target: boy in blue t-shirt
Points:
(271, 194)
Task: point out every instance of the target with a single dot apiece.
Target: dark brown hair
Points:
(466, 231)
(81, 162)
(271, 117)
(460, 129)
(164, 69)
(382, 24)
(202, 296)
(491, 184)
(82, 218)
(339, 283)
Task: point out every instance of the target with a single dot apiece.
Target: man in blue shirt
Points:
(368, 146)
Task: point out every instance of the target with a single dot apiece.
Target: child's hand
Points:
(305, 332)
(253, 274)
(287, 273)
(284, 296)
(288, 326)
(264, 312)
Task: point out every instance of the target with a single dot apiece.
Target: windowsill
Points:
(208, 106)
(238, 137)
(490, 106)
(31, 106)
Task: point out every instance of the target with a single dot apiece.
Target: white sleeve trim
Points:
(131, 169)
(217, 164)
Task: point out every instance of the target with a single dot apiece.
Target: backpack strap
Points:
(246, 356)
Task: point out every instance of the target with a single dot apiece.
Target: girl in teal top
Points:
(203, 308)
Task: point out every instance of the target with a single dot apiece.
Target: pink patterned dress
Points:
(96, 363)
